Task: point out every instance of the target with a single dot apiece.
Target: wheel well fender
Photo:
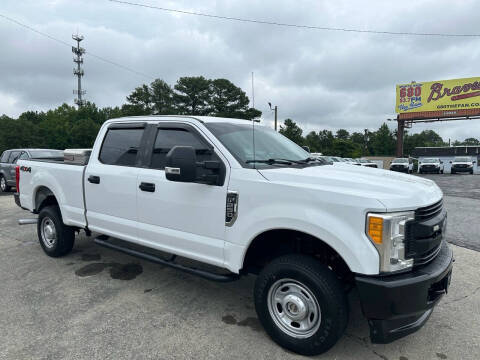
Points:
(44, 197)
(277, 242)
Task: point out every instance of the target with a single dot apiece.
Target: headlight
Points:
(387, 233)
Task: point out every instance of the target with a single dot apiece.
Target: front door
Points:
(187, 219)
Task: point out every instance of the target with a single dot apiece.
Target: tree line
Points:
(70, 127)
(381, 142)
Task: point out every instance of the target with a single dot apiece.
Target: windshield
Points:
(400, 161)
(238, 139)
(430, 161)
(46, 153)
(462, 159)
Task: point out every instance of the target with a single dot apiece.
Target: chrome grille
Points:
(428, 212)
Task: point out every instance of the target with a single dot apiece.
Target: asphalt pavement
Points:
(98, 304)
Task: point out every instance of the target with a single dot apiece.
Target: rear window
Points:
(4, 157)
(14, 155)
(120, 147)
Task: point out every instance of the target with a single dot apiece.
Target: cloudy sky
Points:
(321, 79)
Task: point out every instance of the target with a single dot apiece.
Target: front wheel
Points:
(55, 237)
(301, 304)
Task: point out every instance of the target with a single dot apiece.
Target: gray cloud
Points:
(321, 79)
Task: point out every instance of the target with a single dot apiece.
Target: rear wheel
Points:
(301, 304)
(3, 184)
(55, 237)
(452, 172)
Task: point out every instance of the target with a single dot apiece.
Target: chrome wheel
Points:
(3, 184)
(294, 308)
(48, 232)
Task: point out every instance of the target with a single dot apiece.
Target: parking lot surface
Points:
(99, 304)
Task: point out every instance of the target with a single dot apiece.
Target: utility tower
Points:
(78, 71)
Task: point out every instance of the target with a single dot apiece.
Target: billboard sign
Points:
(447, 96)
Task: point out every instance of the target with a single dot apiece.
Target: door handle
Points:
(149, 187)
(94, 179)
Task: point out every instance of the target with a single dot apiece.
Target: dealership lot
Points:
(96, 303)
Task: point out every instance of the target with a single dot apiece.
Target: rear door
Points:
(110, 182)
(186, 219)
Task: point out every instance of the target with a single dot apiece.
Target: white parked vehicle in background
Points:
(352, 161)
(430, 165)
(367, 163)
(198, 188)
(402, 165)
(462, 164)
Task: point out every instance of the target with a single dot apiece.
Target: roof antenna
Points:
(253, 125)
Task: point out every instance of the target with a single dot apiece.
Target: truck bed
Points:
(64, 179)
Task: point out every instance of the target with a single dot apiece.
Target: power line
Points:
(310, 27)
(126, 68)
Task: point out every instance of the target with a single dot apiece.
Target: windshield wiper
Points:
(274, 161)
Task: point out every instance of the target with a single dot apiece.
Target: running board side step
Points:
(102, 240)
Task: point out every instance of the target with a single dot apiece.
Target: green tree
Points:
(141, 99)
(291, 130)
(192, 95)
(342, 134)
(326, 142)
(383, 141)
(312, 140)
(162, 97)
(226, 99)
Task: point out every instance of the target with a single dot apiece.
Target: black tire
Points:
(452, 172)
(4, 187)
(441, 172)
(64, 236)
(420, 171)
(471, 172)
(326, 290)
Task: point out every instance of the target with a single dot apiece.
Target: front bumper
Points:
(398, 305)
(462, 169)
(400, 169)
(429, 169)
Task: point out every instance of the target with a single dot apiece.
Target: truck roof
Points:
(202, 119)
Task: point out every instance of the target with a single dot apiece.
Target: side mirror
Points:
(306, 148)
(450, 161)
(441, 162)
(473, 161)
(181, 164)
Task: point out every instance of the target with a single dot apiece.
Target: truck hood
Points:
(395, 191)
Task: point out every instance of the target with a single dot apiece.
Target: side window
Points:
(24, 156)
(167, 138)
(13, 156)
(120, 147)
(4, 157)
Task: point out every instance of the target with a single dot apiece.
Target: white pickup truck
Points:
(206, 189)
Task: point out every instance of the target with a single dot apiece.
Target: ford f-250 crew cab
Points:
(204, 188)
